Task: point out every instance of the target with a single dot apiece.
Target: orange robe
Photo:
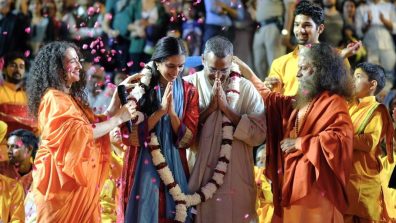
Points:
(372, 123)
(70, 165)
(322, 162)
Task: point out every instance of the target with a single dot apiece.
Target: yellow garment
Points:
(3, 142)
(364, 187)
(110, 192)
(9, 94)
(11, 200)
(285, 68)
(389, 193)
(265, 207)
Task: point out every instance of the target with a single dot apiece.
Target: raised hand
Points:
(273, 83)
(115, 103)
(127, 111)
(351, 49)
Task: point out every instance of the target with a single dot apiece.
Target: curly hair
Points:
(48, 71)
(309, 9)
(331, 73)
(166, 47)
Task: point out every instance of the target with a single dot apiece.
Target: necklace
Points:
(298, 124)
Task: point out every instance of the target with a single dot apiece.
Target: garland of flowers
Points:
(183, 201)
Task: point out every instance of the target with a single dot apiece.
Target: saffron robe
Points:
(324, 149)
(185, 137)
(372, 123)
(70, 165)
(235, 200)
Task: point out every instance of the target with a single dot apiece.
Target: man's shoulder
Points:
(192, 78)
(336, 101)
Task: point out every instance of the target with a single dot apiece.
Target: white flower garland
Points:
(183, 201)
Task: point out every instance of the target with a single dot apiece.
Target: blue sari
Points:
(143, 203)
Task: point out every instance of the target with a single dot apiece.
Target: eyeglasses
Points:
(223, 71)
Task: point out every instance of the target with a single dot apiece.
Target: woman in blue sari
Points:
(170, 106)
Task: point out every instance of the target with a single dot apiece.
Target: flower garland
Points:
(183, 201)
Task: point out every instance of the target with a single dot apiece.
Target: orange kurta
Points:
(324, 149)
(364, 187)
(70, 165)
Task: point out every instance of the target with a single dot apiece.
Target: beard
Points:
(13, 79)
(307, 90)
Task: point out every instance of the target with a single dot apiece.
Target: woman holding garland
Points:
(71, 164)
(170, 107)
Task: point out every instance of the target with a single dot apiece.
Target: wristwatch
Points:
(285, 32)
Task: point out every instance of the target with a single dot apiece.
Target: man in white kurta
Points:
(234, 201)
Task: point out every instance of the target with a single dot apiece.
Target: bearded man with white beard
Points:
(309, 138)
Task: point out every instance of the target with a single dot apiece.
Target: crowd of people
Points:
(107, 116)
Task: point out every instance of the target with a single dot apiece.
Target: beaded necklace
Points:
(298, 124)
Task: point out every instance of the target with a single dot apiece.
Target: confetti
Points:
(27, 53)
(91, 11)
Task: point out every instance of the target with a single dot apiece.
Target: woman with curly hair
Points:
(73, 158)
(171, 107)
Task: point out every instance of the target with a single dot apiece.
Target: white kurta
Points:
(234, 201)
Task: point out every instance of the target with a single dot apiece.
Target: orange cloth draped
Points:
(14, 109)
(324, 146)
(17, 117)
(70, 165)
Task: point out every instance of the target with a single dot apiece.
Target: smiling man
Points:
(13, 99)
(308, 25)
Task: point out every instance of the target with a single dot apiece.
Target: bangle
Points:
(285, 32)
